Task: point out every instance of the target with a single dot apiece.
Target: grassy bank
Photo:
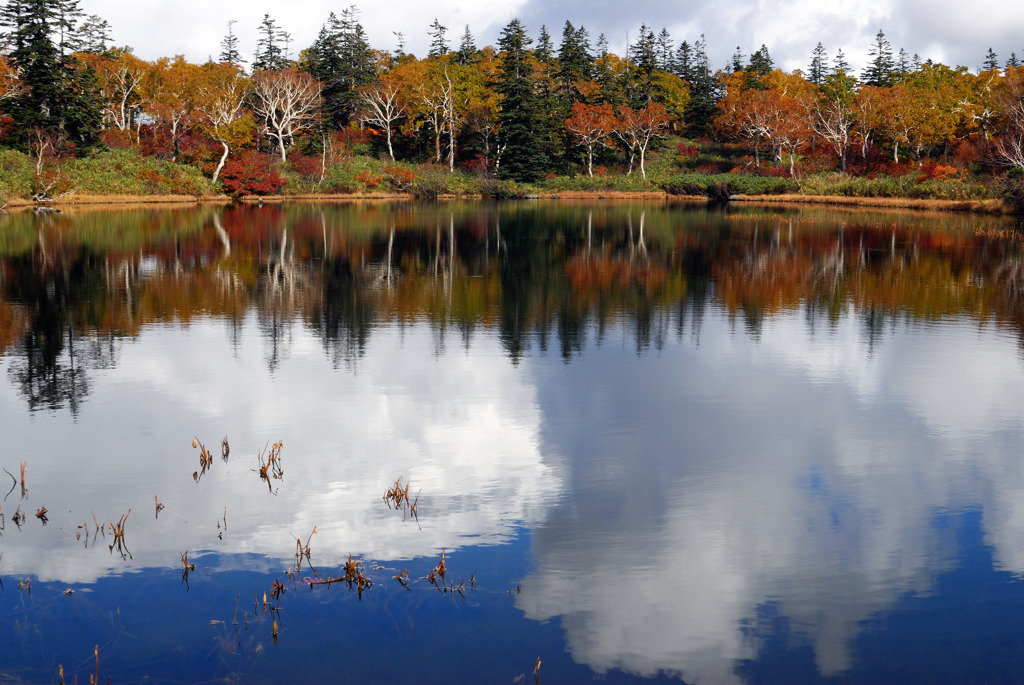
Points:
(125, 177)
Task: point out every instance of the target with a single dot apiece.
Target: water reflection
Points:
(700, 420)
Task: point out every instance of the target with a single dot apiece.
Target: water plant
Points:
(397, 497)
(119, 542)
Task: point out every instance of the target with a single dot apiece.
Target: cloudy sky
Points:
(952, 32)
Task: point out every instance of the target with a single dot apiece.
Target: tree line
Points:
(520, 110)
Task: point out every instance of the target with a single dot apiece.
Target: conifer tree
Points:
(818, 70)
(761, 64)
(270, 52)
(575, 63)
(903, 65)
(703, 92)
(644, 57)
(341, 60)
(684, 62)
(468, 51)
(60, 102)
(735, 62)
(438, 45)
(991, 61)
(881, 64)
(839, 64)
(666, 54)
(94, 35)
(520, 158)
(1012, 60)
(229, 45)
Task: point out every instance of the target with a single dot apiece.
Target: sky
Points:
(949, 31)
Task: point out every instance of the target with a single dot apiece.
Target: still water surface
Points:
(654, 443)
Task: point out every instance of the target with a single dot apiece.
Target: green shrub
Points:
(17, 175)
(721, 186)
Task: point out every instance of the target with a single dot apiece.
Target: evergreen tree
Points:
(66, 15)
(548, 123)
(666, 55)
(61, 100)
(94, 35)
(684, 62)
(270, 53)
(438, 45)
(1012, 60)
(520, 158)
(399, 44)
(229, 46)
(341, 60)
(991, 61)
(818, 70)
(881, 64)
(735, 62)
(608, 91)
(903, 65)
(575, 63)
(545, 51)
(468, 51)
(703, 92)
(761, 64)
(839, 64)
(915, 62)
(644, 56)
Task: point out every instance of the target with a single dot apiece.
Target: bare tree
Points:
(381, 105)
(286, 101)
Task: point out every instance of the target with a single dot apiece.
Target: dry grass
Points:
(971, 206)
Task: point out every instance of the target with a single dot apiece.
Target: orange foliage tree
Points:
(638, 128)
(590, 126)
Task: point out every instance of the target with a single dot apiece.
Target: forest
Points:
(529, 115)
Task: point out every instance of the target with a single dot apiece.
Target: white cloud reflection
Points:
(460, 428)
(801, 471)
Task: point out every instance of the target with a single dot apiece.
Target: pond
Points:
(528, 442)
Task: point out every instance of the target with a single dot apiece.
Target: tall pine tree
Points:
(60, 101)
(340, 59)
(881, 65)
(818, 69)
(517, 139)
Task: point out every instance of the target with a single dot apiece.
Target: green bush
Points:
(125, 172)
(17, 175)
(721, 186)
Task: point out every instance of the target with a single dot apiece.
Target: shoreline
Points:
(990, 207)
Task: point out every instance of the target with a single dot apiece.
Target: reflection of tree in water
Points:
(50, 362)
(553, 276)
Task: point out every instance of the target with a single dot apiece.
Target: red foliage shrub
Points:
(684, 150)
(117, 139)
(968, 152)
(477, 165)
(936, 170)
(250, 173)
(368, 179)
(304, 164)
(400, 178)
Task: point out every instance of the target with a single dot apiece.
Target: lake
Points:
(626, 441)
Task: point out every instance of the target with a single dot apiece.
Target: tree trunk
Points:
(220, 164)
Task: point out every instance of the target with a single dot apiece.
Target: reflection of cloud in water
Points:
(462, 428)
(796, 472)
